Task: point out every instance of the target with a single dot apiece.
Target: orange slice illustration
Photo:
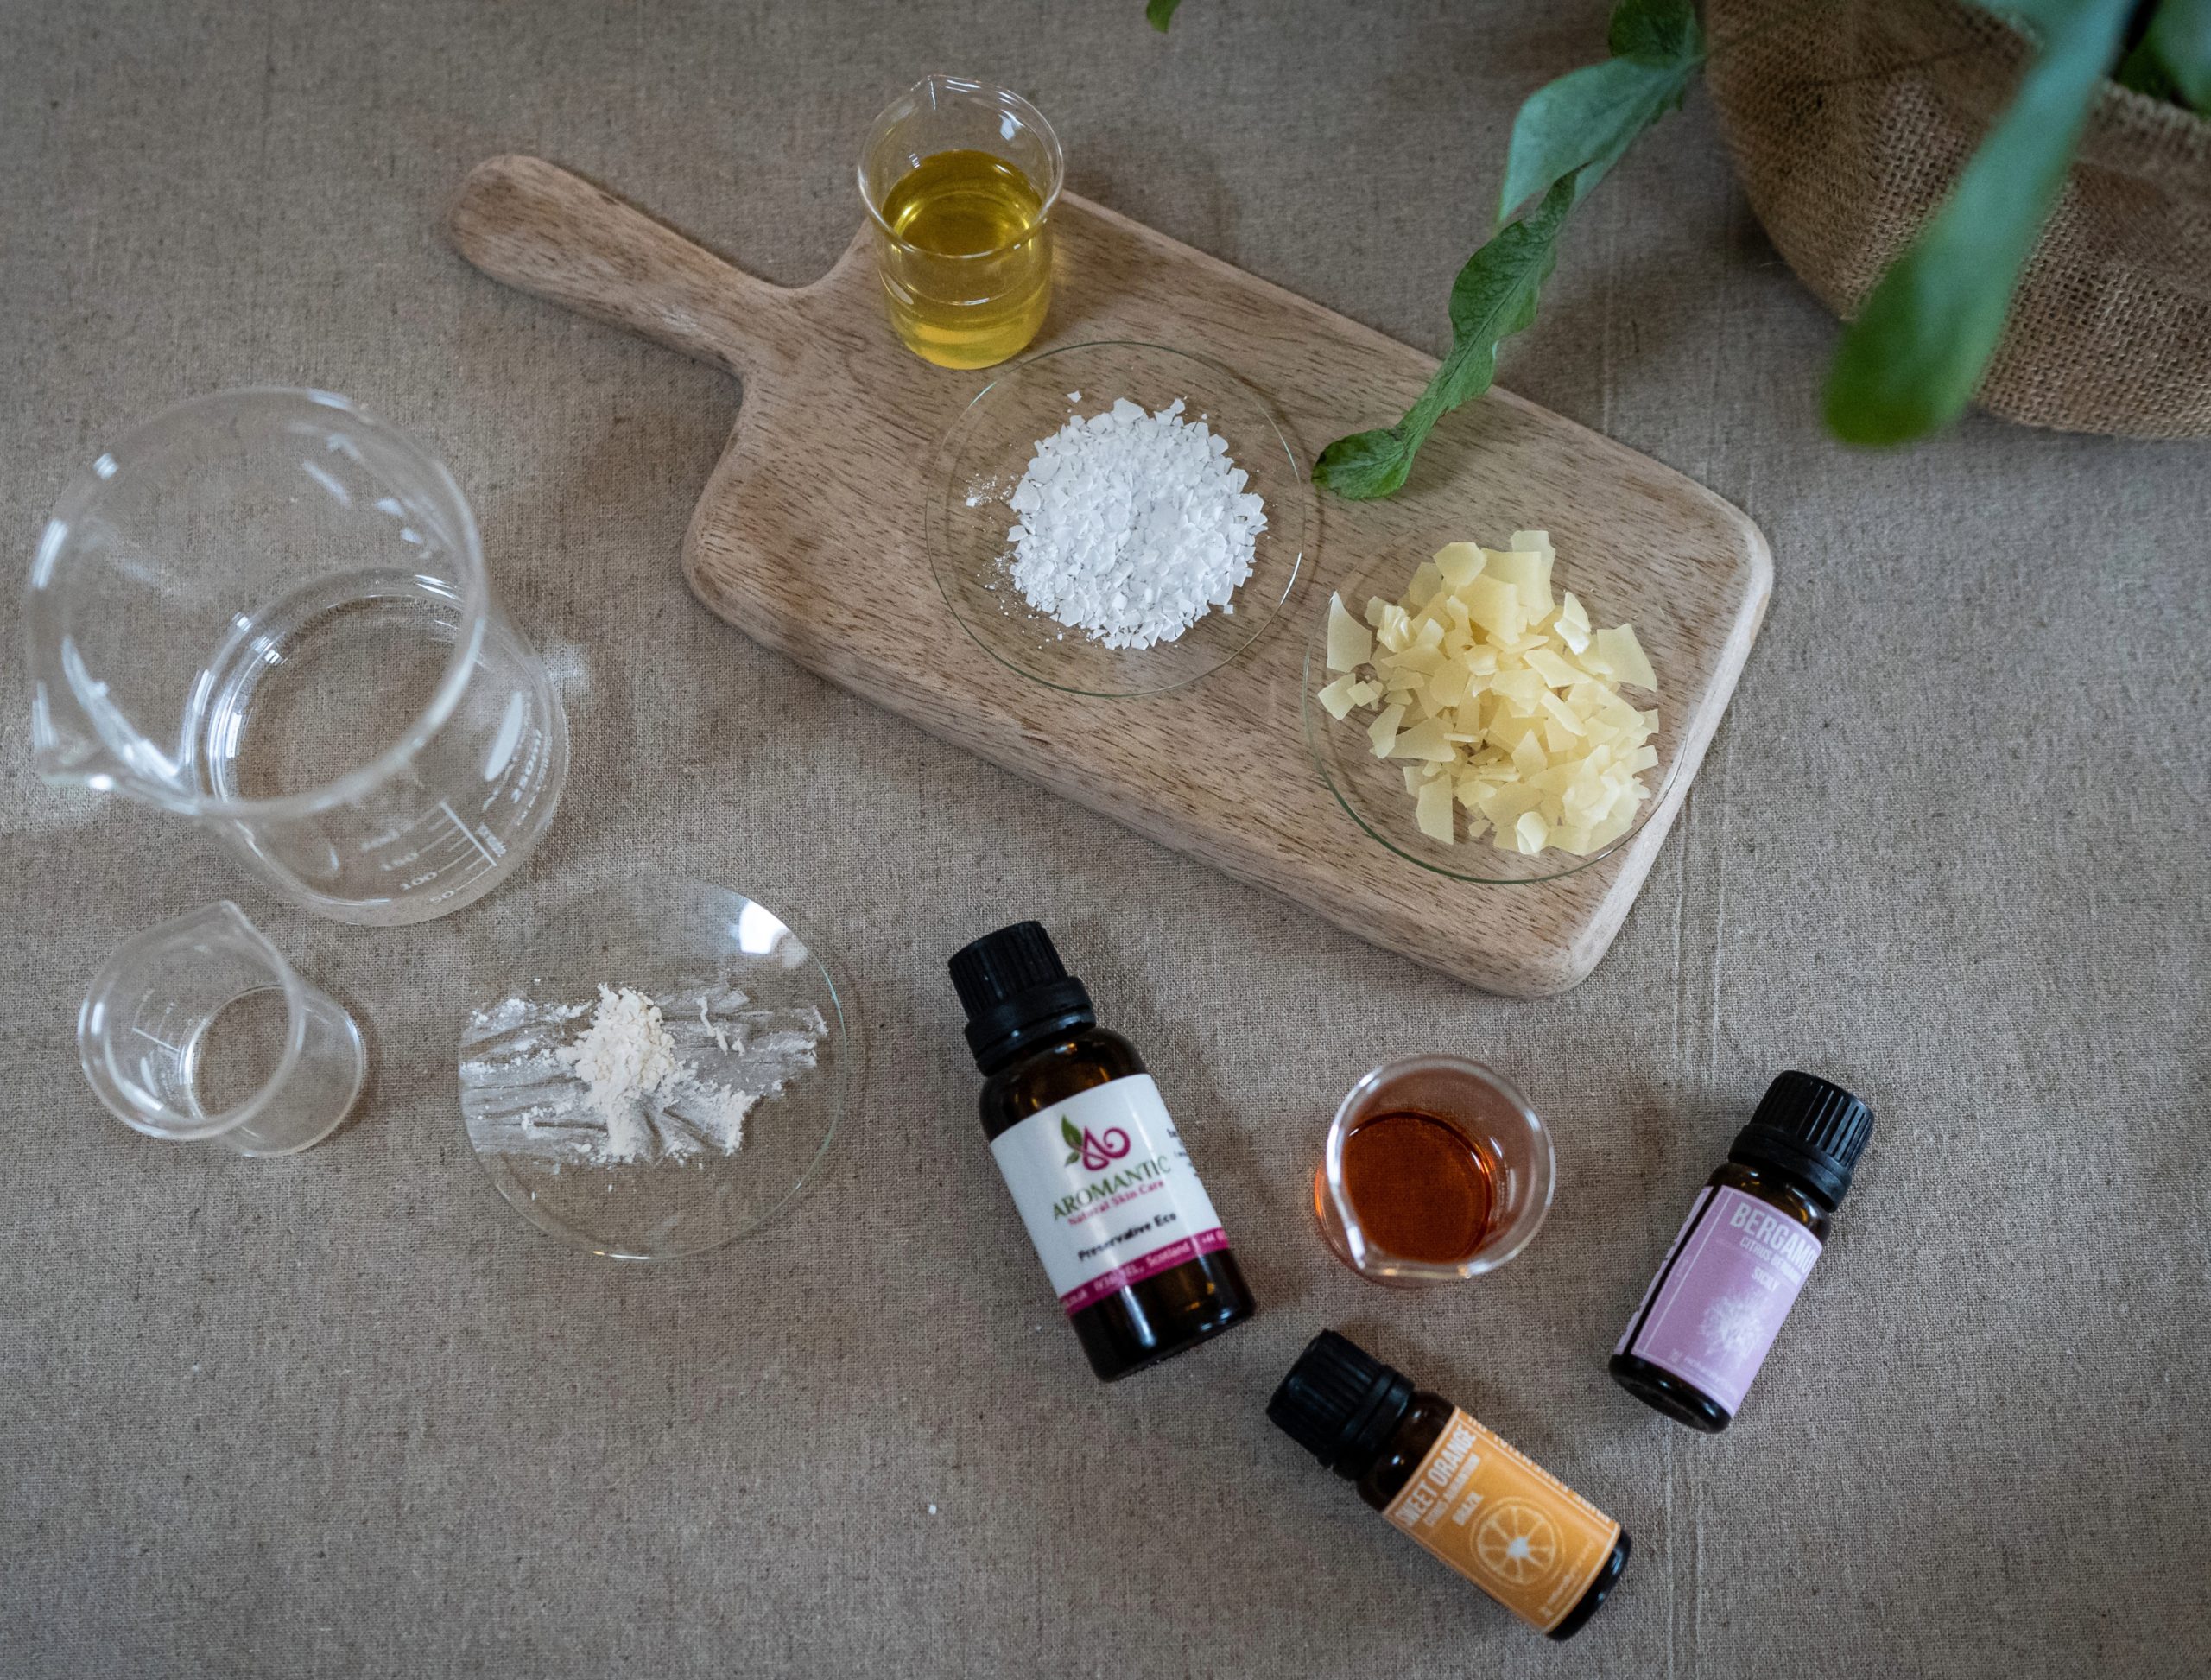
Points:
(1516, 1543)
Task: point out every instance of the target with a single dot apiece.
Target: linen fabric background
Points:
(343, 1414)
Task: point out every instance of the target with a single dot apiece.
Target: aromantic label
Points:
(1712, 1311)
(1106, 1190)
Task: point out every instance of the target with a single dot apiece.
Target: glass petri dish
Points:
(758, 1024)
(1372, 790)
(982, 461)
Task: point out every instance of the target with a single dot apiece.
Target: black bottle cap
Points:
(1016, 990)
(1341, 1404)
(1811, 1130)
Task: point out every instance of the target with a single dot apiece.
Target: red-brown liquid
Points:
(1420, 1189)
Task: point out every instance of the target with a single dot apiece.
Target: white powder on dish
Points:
(1132, 525)
(646, 1078)
(625, 1055)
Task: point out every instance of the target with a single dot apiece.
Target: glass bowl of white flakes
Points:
(1117, 518)
(660, 1072)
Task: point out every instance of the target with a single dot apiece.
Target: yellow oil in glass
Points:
(967, 259)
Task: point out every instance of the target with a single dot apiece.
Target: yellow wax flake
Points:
(1498, 700)
(1505, 803)
(1432, 809)
(1396, 630)
(1495, 606)
(1539, 544)
(1573, 623)
(1460, 563)
(1520, 687)
(1562, 713)
(1529, 573)
(1549, 666)
(1424, 740)
(1382, 732)
(1337, 698)
(1625, 655)
(1422, 657)
(1447, 684)
(1350, 643)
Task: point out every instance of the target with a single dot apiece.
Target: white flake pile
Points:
(638, 1082)
(1133, 525)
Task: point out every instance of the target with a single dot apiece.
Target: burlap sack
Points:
(1849, 120)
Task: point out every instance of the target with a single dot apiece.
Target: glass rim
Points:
(1371, 1260)
(150, 938)
(989, 93)
(112, 463)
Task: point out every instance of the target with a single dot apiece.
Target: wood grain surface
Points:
(809, 537)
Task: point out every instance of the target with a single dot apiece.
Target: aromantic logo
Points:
(1096, 1153)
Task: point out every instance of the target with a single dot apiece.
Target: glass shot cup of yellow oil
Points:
(959, 178)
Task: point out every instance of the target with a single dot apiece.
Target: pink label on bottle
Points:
(1719, 1299)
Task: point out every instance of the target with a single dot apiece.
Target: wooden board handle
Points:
(542, 230)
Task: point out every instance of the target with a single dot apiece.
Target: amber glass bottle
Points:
(1705, 1324)
(1508, 1526)
(1097, 1168)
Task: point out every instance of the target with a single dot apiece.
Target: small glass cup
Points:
(199, 1030)
(978, 293)
(1484, 1108)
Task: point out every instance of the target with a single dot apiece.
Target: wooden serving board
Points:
(810, 538)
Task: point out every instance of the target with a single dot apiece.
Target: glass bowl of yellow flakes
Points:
(1495, 714)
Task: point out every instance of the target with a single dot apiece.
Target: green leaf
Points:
(2146, 72)
(1661, 31)
(2180, 35)
(1911, 361)
(1568, 135)
(1366, 464)
(1493, 298)
(1160, 12)
(1069, 1135)
(1589, 115)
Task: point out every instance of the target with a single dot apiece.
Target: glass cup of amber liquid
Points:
(1435, 1168)
(959, 179)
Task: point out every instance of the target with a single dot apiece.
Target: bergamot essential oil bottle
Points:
(1510, 1526)
(1710, 1316)
(1097, 1168)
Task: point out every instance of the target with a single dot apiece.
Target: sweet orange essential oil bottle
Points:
(1708, 1318)
(1512, 1528)
(1126, 1230)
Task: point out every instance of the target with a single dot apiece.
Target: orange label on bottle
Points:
(1510, 1526)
